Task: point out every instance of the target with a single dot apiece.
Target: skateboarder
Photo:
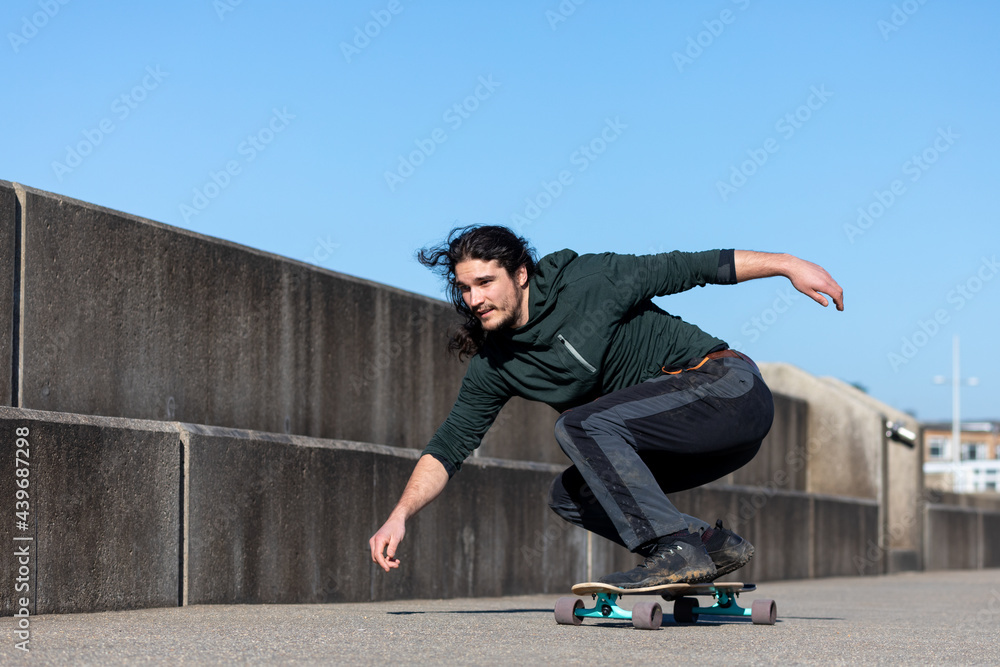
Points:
(650, 404)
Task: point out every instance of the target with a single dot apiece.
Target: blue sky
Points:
(859, 135)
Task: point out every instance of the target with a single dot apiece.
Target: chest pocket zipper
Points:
(576, 355)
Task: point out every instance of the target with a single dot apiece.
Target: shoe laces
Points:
(661, 552)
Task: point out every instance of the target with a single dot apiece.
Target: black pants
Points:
(632, 447)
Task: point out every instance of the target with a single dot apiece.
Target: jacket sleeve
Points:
(646, 276)
(478, 403)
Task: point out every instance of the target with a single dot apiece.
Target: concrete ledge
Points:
(953, 538)
(846, 537)
(104, 512)
(904, 560)
(10, 270)
(783, 458)
(128, 514)
(275, 519)
(990, 528)
(796, 535)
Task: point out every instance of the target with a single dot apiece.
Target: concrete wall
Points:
(104, 512)
(962, 530)
(849, 454)
(277, 519)
(843, 442)
(292, 368)
(130, 318)
(901, 488)
(781, 462)
(9, 277)
(130, 513)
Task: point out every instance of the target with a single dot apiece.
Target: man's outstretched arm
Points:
(427, 481)
(808, 278)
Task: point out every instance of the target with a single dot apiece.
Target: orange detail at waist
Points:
(713, 355)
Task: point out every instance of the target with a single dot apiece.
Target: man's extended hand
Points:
(814, 281)
(384, 543)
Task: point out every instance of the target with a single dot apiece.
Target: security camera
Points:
(898, 432)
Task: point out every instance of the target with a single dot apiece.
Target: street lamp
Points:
(956, 428)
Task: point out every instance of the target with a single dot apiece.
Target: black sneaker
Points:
(729, 551)
(680, 560)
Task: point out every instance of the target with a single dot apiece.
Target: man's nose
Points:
(475, 297)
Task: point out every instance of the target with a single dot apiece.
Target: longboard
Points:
(649, 615)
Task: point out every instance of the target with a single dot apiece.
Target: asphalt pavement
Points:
(915, 618)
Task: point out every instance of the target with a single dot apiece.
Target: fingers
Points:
(838, 296)
(814, 281)
(835, 291)
(383, 548)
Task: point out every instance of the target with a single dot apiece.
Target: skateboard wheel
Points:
(684, 610)
(647, 615)
(566, 611)
(764, 612)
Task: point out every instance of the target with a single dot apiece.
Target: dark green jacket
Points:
(592, 329)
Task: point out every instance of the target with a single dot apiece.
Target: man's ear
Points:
(521, 276)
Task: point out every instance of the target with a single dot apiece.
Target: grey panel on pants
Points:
(608, 429)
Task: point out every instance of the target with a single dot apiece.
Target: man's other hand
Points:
(383, 543)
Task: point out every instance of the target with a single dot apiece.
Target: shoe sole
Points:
(732, 567)
(695, 579)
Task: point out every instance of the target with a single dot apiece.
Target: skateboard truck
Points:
(644, 615)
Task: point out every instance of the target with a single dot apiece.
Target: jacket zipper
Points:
(576, 355)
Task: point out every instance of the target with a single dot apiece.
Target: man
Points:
(650, 404)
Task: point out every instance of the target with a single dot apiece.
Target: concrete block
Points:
(952, 538)
(105, 514)
(904, 560)
(846, 538)
(903, 472)
(490, 533)
(781, 461)
(524, 431)
(991, 539)
(276, 519)
(128, 317)
(776, 522)
(844, 441)
(9, 278)
(780, 533)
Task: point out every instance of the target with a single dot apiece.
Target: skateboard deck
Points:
(649, 615)
(669, 592)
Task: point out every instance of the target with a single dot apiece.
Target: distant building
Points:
(979, 470)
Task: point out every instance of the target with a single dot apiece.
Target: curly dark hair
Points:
(483, 242)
